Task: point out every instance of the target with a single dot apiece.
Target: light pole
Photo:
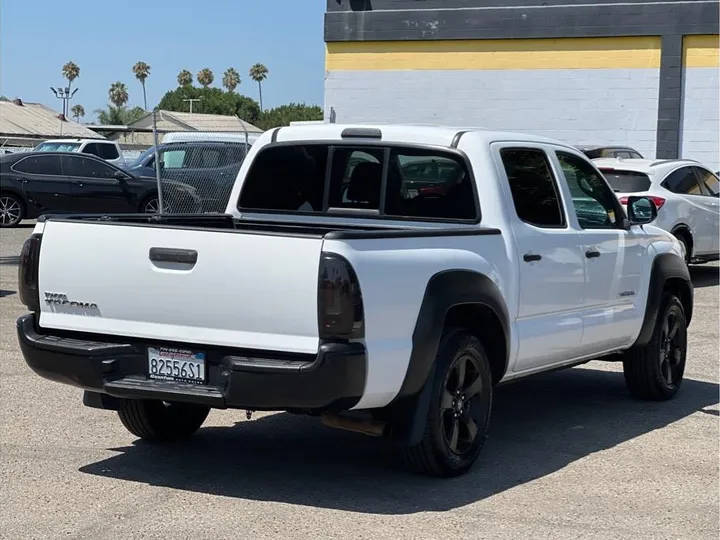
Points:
(64, 95)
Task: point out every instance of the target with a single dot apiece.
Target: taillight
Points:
(657, 201)
(28, 270)
(340, 306)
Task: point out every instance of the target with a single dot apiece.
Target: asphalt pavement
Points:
(570, 455)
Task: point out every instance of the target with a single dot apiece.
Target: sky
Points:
(106, 38)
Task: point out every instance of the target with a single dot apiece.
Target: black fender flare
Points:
(444, 290)
(665, 266)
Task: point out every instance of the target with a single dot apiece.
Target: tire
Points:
(151, 205)
(12, 210)
(655, 372)
(160, 421)
(448, 447)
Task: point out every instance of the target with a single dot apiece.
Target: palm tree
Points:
(142, 72)
(231, 79)
(77, 112)
(205, 77)
(118, 116)
(259, 73)
(70, 71)
(118, 94)
(184, 78)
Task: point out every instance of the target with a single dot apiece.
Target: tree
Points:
(119, 115)
(118, 94)
(77, 112)
(259, 73)
(231, 79)
(292, 112)
(142, 72)
(184, 78)
(205, 77)
(212, 101)
(70, 71)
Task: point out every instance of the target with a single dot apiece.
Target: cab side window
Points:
(595, 204)
(534, 191)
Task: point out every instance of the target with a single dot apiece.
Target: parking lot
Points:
(570, 455)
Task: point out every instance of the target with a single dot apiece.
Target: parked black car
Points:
(36, 183)
(209, 166)
(598, 151)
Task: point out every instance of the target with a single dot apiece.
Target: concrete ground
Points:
(570, 455)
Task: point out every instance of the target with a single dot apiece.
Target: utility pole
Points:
(191, 100)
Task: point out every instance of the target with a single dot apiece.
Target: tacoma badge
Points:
(61, 299)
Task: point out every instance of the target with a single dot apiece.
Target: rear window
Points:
(626, 181)
(390, 181)
(625, 153)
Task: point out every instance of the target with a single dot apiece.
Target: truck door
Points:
(613, 256)
(549, 256)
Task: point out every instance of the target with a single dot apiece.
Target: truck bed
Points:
(180, 278)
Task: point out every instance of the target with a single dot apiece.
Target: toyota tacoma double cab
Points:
(384, 278)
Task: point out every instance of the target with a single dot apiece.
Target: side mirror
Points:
(641, 210)
(119, 175)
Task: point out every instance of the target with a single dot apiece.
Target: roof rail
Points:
(662, 161)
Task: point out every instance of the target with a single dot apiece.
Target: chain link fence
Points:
(196, 171)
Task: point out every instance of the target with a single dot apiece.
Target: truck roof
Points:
(402, 133)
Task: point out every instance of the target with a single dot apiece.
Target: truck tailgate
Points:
(243, 290)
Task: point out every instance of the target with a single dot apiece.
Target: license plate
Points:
(168, 364)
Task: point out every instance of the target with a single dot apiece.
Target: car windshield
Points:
(626, 181)
(57, 147)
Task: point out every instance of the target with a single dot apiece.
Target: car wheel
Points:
(152, 205)
(682, 238)
(12, 210)
(655, 372)
(159, 421)
(459, 412)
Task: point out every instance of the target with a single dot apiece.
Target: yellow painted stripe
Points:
(701, 51)
(564, 53)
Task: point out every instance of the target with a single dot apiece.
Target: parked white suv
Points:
(104, 149)
(684, 192)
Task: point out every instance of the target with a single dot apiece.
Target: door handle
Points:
(182, 256)
(79, 184)
(530, 257)
(592, 254)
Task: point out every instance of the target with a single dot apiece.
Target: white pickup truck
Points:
(385, 278)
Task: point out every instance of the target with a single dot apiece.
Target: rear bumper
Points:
(334, 379)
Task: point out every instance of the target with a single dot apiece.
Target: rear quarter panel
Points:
(393, 275)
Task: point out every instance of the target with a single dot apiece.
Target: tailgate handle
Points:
(183, 256)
